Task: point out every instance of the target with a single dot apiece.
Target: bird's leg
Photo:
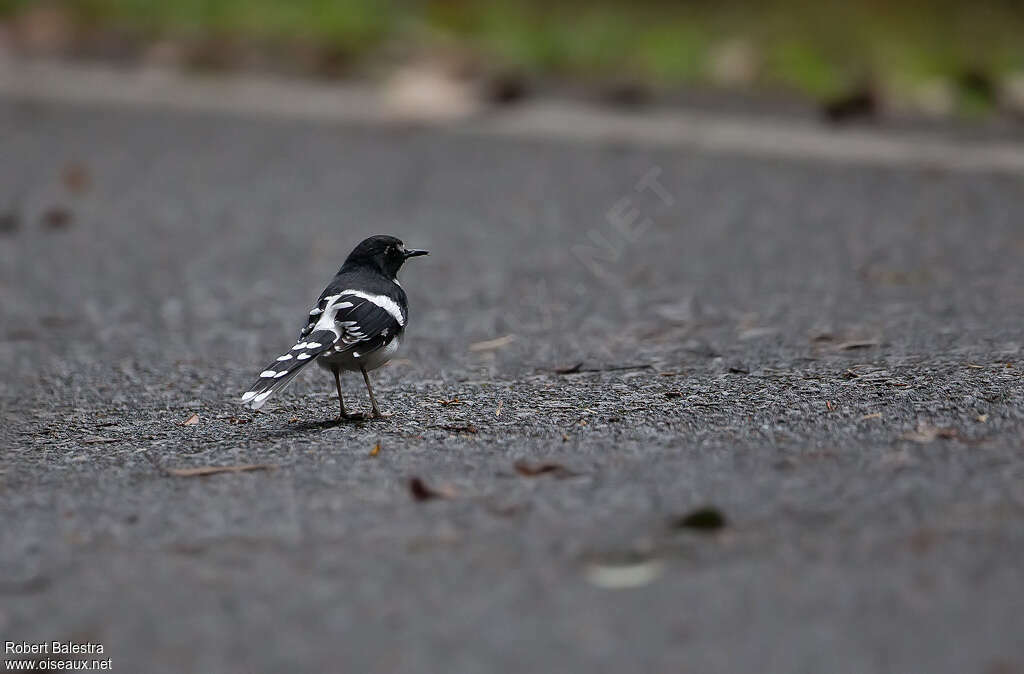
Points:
(373, 401)
(341, 401)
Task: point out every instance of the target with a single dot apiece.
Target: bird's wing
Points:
(365, 321)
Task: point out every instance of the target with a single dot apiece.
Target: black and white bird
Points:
(356, 325)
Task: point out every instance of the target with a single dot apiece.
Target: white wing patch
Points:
(382, 301)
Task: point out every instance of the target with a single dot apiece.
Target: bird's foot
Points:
(377, 414)
(352, 416)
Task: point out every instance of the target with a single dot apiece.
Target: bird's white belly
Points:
(349, 360)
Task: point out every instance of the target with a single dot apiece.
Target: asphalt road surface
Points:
(829, 356)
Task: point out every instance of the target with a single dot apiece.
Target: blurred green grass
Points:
(820, 49)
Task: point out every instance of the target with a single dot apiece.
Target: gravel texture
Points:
(829, 356)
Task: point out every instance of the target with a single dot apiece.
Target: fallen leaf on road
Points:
(533, 470)
(925, 434)
(376, 450)
(578, 367)
(452, 401)
(76, 178)
(497, 412)
(56, 218)
(492, 344)
(624, 576)
(213, 470)
(755, 333)
(856, 344)
(421, 492)
(876, 415)
(702, 519)
(191, 421)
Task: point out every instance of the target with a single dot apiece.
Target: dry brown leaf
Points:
(421, 492)
(707, 518)
(56, 218)
(376, 450)
(497, 412)
(202, 471)
(925, 434)
(76, 178)
(492, 344)
(533, 470)
(191, 421)
(876, 415)
(625, 575)
(856, 344)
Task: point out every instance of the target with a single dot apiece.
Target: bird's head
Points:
(385, 253)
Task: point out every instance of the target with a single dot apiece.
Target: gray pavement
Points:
(828, 354)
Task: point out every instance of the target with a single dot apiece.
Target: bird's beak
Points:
(414, 252)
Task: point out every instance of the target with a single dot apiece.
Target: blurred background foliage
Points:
(945, 49)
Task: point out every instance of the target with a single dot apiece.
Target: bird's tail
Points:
(278, 374)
